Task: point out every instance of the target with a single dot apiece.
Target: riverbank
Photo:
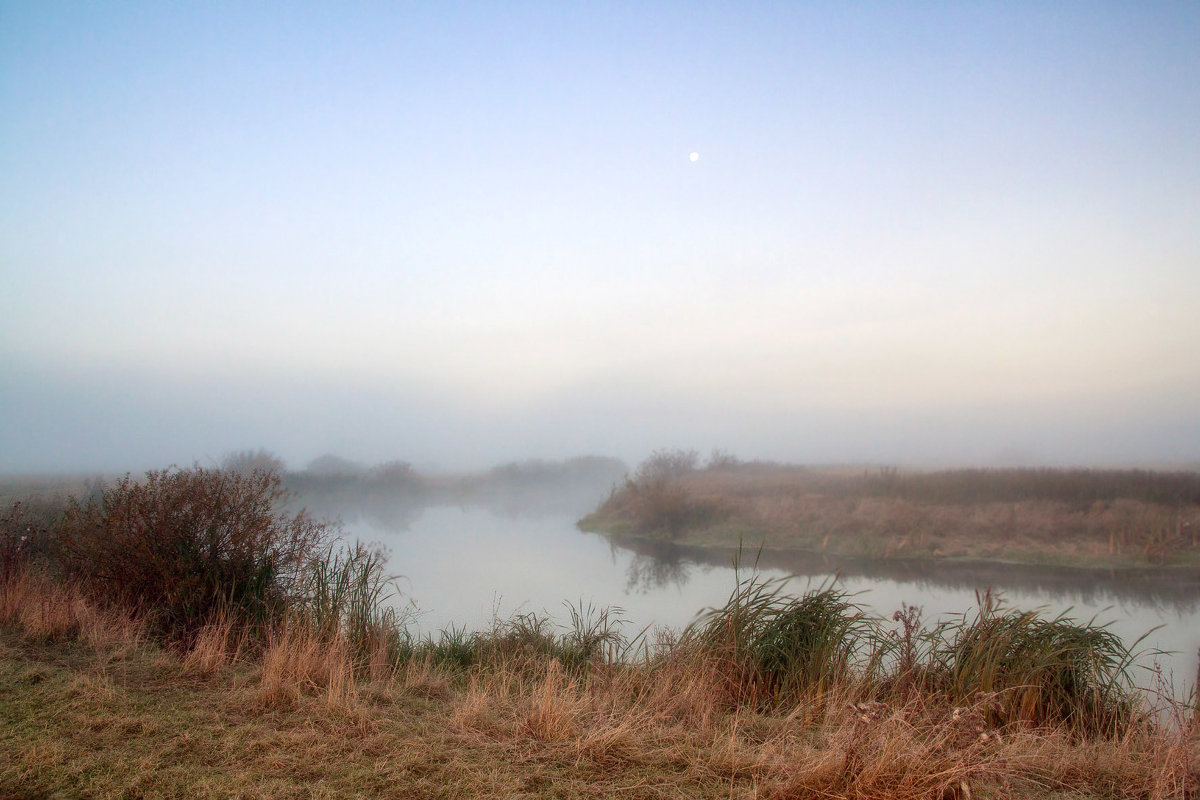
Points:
(1173, 586)
(1079, 518)
(92, 706)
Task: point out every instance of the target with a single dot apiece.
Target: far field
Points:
(1126, 518)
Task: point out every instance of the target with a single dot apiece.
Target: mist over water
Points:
(470, 558)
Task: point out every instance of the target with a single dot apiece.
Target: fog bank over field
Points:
(88, 421)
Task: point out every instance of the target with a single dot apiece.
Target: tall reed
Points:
(774, 646)
(1045, 671)
(345, 593)
(768, 646)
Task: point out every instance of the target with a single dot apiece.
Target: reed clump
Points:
(774, 646)
(771, 647)
(594, 637)
(1043, 671)
(345, 593)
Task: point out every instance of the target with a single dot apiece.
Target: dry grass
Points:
(859, 750)
(294, 722)
(45, 611)
(1062, 516)
(297, 661)
(216, 645)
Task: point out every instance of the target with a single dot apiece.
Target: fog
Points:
(114, 423)
(460, 236)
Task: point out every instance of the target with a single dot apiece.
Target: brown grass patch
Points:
(1094, 516)
(44, 610)
(299, 661)
(661, 729)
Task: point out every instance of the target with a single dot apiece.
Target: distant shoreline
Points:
(1135, 522)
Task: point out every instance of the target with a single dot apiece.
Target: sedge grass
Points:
(295, 719)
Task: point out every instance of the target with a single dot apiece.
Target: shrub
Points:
(722, 460)
(184, 544)
(247, 462)
(667, 465)
(661, 506)
(656, 501)
(25, 534)
(331, 466)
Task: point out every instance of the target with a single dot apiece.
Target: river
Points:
(465, 565)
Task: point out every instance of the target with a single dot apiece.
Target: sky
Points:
(463, 233)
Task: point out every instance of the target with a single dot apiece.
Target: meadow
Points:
(1077, 517)
(186, 635)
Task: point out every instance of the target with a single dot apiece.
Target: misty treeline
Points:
(331, 472)
(393, 494)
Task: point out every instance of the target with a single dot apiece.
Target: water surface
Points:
(465, 566)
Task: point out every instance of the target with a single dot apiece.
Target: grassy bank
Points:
(93, 706)
(291, 677)
(1128, 518)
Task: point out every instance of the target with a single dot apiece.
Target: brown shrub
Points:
(183, 545)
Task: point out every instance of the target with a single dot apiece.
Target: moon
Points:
(694, 157)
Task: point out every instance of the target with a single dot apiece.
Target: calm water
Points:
(466, 565)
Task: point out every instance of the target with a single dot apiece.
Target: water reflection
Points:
(648, 572)
(394, 500)
(475, 552)
(389, 512)
(657, 564)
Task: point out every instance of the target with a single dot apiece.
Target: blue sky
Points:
(459, 233)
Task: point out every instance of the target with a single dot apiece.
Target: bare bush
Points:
(25, 534)
(247, 462)
(667, 465)
(722, 460)
(182, 545)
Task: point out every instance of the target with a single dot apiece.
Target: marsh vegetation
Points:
(318, 684)
(1080, 517)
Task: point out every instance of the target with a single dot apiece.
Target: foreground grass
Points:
(1071, 517)
(90, 707)
(137, 728)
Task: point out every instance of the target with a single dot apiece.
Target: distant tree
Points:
(248, 462)
(330, 466)
(722, 459)
(665, 465)
(604, 468)
(393, 472)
